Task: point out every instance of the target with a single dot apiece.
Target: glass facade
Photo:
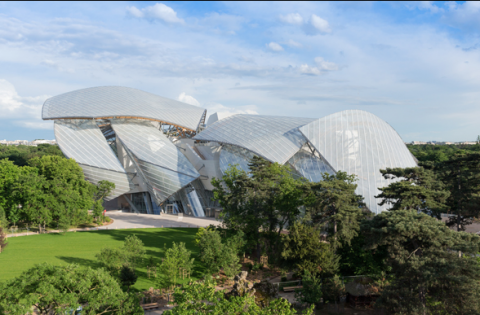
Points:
(360, 143)
(83, 141)
(309, 166)
(275, 138)
(160, 163)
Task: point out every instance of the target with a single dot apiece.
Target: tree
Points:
(303, 248)
(266, 199)
(175, 258)
(217, 255)
(311, 290)
(104, 189)
(127, 276)
(130, 254)
(355, 259)
(428, 274)
(461, 176)
(336, 204)
(97, 209)
(59, 289)
(417, 188)
(3, 239)
(202, 298)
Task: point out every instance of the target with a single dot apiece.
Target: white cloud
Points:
(275, 47)
(13, 106)
(158, 11)
(316, 25)
(185, 98)
(464, 15)
(306, 69)
(292, 18)
(293, 43)
(326, 65)
(424, 5)
(55, 65)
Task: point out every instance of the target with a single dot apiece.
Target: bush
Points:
(311, 292)
(108, 220)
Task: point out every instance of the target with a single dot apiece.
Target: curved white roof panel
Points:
(117, 101)
(275, 138)
(360, 143)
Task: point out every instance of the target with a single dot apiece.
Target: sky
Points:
(415, 65)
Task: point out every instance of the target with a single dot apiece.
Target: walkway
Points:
(122, 220)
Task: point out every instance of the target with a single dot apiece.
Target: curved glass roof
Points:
(117, 101)
(273, 137)
(360, 143)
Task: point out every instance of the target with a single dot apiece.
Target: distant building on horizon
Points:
(33, 143)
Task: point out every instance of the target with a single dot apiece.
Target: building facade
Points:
(162, 156)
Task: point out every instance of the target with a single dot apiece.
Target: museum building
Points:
(162, 154)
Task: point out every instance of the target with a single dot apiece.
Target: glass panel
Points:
(360, 143)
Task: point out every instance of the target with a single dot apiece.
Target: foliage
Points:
(461, 176)
(129, 255)
(428, 272)
(355, 259)
(97, 209)
(303, 249)
(104, 189)
(417, 188)
(50, 189)
(440, 153)
(217, 255)
(3, 239)
(127, 276)
(202, 297)
(266, 199)
(59, 289)
(336, 204)
(22, 154)
(333, 288)
(311, 291)
(176, 257)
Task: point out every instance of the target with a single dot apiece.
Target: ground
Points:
(24, 252)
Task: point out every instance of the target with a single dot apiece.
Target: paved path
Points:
(123, 220)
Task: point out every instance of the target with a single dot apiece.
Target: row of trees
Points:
(50, 190)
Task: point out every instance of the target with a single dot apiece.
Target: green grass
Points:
(80, 248)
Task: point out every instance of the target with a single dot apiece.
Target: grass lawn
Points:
(80, 248)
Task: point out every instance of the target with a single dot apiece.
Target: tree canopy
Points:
(60, 289)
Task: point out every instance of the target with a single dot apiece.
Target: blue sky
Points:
(414, 64)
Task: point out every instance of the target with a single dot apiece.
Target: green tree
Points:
(217, 255)
(303, 249)
(59, 289)
(3, 239)
(203, 298)
(130, 254)
(261, 203)
(311, 290)
(428, 273)
(98, 209)
(127, 277)
(417, 188)
(176, 257)
(336, 204)
(461, 176)
(104, 189)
